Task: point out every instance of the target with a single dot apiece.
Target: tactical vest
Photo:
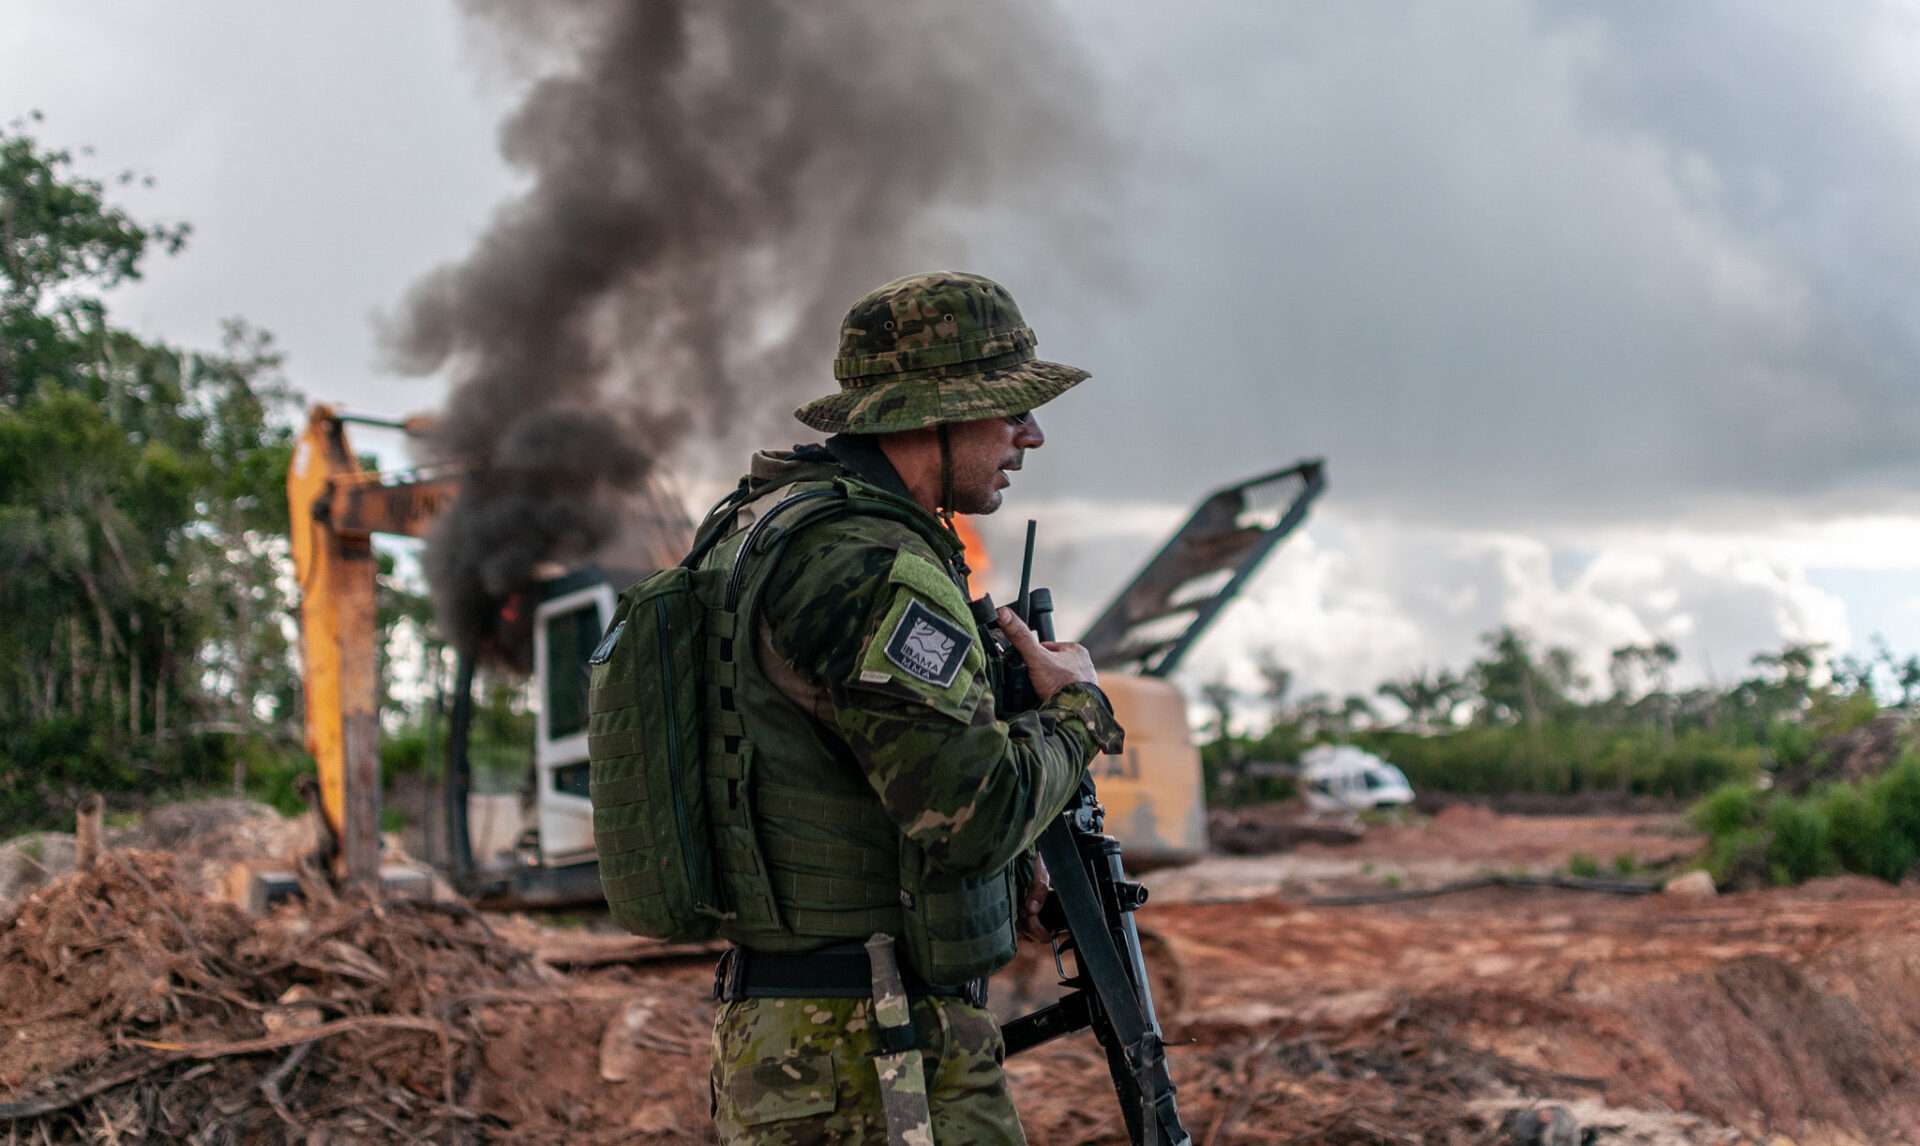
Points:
(805, 854)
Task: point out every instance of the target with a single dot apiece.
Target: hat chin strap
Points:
(945, 508)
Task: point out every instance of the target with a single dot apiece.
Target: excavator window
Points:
(574, 780)
(570, 637)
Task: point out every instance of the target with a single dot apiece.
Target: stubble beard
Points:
(976, 495)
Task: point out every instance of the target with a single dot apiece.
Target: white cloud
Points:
(1348, 603)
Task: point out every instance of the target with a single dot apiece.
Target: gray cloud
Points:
(325, 155)
(1511, 267)
(1628, 263)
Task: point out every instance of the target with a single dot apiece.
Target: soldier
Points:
(882, 795)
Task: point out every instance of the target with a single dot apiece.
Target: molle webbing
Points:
(805, 852)
(786, 888)
(742, 870)
(646, 768)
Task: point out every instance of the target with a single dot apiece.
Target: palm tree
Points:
(1653, 664)
(1429, 698)
(1278, 678)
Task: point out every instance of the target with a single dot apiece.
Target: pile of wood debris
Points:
(141, 1010)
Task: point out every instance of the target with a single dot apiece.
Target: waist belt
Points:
(837, 972)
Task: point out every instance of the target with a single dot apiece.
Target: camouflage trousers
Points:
(795, 1072)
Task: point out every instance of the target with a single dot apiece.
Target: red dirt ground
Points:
(1788, 1015)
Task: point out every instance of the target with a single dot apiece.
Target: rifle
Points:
(1090, 914)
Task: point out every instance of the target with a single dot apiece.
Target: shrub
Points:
(1728, 809)
(1583, 865)
(1898, 792)
(1738, 859)
(1791, 742)
(271, 776)
(1799, 846)
(1861, 842)
(1872, 828)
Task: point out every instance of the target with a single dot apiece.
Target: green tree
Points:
(1517, 684)
(1220, 696)
(1788, 674)
(1277, 681)
(142, 518)
(1646, 670)
(61, 244)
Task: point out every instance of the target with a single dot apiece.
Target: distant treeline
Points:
(1521, 719)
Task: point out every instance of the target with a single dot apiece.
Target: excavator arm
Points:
(336, 508)
(1152, 623)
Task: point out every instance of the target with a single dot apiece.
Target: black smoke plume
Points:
(713, 182)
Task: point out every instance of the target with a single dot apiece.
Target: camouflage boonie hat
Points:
(932, 348)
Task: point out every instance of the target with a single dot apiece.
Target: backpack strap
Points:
(774, 539)
(713, 528)
(841, 497)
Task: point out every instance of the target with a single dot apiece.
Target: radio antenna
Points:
(1020, 606)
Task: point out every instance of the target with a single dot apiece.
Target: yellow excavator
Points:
(336, 509)
(1153, 791)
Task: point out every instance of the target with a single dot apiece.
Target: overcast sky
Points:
(1603, 315)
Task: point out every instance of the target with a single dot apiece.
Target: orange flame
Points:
(976, 553)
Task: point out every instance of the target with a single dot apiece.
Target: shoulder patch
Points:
(604, 650)
(927, 646)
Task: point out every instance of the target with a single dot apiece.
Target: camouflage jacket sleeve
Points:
(871, 634)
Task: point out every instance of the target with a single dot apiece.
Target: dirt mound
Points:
(140, 1007)
(1851, 757)
(29, 862)
(1790, 1012)
(1261, 829)
(1611, 803)
(1762, 1039)
(1398, 1082)
(208, 837)
(134, 1006)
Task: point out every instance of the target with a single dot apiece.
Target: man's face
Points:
(984, 452)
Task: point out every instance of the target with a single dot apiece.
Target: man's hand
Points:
(1028, 922)
(1051, 665)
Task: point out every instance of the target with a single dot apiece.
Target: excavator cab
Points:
(554, 859)
(567, 623)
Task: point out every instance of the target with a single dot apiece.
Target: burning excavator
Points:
(1153, 791)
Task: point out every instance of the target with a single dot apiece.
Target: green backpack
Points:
(647, 734)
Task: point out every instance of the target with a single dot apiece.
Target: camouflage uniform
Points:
(970, 791)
